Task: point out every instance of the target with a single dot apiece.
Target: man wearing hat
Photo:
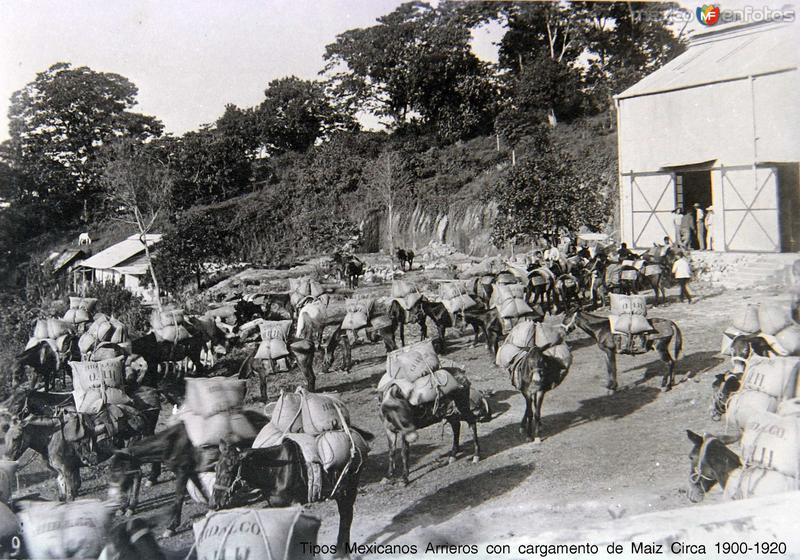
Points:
(688, 229)
(700, 224)
(709, 222)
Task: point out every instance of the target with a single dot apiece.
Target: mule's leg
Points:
(537, 416)
(440, 332)
(476, 444)
(155, 472)
(262, 378)
(346, 352)
(611, 368)
(525, 426)
(668, 378)
(181, 478)
(455, 424)
(404, 455)
(423, 327)
(345, 503)
(392, 438)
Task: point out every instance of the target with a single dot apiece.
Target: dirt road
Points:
(602, 456)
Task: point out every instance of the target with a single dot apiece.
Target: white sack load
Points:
(777, 377)
(336, 448)
(214, 395)
(96, 384)
(301, 288)
(509, 299)
(727, 339)
(487, 267)
(404, 385)
(77, 316)
(268, 436)
(83, 303)
(523, 334)
(51, 328)
(106, 351)
(413, 361)
(430, 387)
(286, 415)
(76, 529)
(629, 314)
(789, 340)
(747, 320)
(169, 317)
(507, 354)
(212, 411)
(203, 431)
(274, 534)
(406, 294)
(455, 297)
(7, 471)
(772, 442)
(753, 482)
(745, 404)
(773, 318)
(357, 315)
(322, 412)
(207, 480)
(274, 337)
(633, 305)
(562, 353)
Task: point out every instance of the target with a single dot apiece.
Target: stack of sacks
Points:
(506, 277)
(55, 332)
(301, 288)
(416, 371)
(207, 480)
(168, 325)
(770, 453)
(96, 384)
(212, 411)
(550, 336)
(629, 315)
(76, 529)
(104, 329)
(509, 299)
(357, 315)
(766, 382)
(455, 297)
(522, 336)
(7, 471)
(613, 271)
(274, 533)
(773, 322)
(487, 267)
(405, 293)
(274, 340)
(80, 310)
(320, 424)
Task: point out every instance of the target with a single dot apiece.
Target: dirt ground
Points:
(602, 456)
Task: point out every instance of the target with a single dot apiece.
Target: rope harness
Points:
(697, 475)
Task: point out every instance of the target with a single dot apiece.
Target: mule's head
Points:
(17, 438)
(711, 463)
(226, 474)
(740, 351)
(724, 385)
(397, 414)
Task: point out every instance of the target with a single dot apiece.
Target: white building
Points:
(717, 126)
(124, 263)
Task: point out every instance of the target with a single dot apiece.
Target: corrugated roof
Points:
(733, 51)
(120, 252)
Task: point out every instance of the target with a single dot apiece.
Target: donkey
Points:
(301, 352)
(405, 257)
(341, 336)
(711, 463)
(279, 472)
(599, 328)
(475, 317)
(401, 421)
(46, 363)
(401, 317)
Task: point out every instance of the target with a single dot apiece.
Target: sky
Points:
(189, 58)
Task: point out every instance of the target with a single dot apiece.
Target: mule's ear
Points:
(697, 439)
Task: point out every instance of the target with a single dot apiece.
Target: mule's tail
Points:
(678, 340)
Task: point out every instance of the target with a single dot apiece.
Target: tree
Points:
(417, 63)
(295, 113)
(388, 180)
(543, 194)
(59, 124)
(139, 187)
(188, 244)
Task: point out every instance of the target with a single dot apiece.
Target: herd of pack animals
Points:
(32, 416)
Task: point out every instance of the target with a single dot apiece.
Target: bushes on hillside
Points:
(113, 299)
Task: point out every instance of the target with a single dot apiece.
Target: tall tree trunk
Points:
(143, 238)
(551, 117)
(390, 233)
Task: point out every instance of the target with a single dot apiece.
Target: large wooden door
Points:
(652, 202)
(750, 209)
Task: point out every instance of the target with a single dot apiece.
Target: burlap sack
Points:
(76, 529)
(412, 361)
(322, 412)
(652, 270)
(514, 308)
(789, 407)
(458, 304)
(744, 405)
(754, 482)
(523, 334)
(214, 395)
(727, 339)
(83, 303)
(773, 318)
(404, 385)
(546, 335)
(274, 336)
(268, 436)
(96, 384)
(358, 312)
(772, 442)
(629, 324)
(561, 353)
(307, 444)
(789, 339)
(172, 333)
(286, 414)
(401, 288)
(633, 305)
(507, 354)
(274, 534)
(203, 431)
(429, 387)
(334, 449)
(87, 342)
(773, 376)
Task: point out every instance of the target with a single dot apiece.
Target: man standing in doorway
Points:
(700, 225)
(687, 229)
(709, 223)
(677, 216)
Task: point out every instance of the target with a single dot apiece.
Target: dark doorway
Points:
(694, 188)
(789, 206)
